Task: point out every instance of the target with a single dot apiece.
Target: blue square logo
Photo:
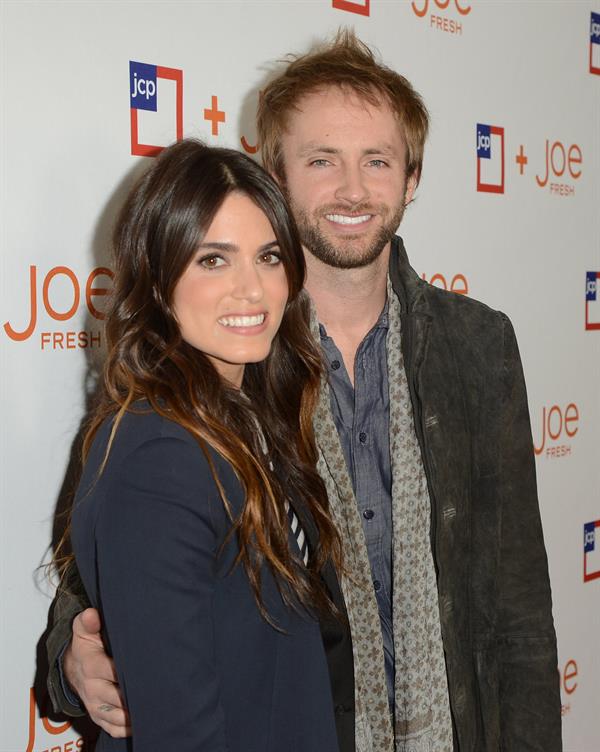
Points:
(589, 537)
(591, 285)
(142, 86)
(595, 28)
(484, 141)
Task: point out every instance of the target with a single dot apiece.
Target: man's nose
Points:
(352, 188)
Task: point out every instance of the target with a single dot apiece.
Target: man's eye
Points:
(378, 163)
(320, 163)
(211, 262)
(271, 258)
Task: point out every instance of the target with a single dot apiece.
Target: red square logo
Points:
(591, 551)
(490, 158)
(595, 43)
(362, 7)
(154, 106)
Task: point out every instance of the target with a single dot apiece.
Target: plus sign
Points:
(521, 159)
(215, 116)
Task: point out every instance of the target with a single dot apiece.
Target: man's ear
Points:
(278, 177)
(411, 186)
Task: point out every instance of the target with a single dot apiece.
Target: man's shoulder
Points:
(451, 310)
(478, 334)
(460, 306)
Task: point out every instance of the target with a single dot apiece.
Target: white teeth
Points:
(343, 219)
(242, 320)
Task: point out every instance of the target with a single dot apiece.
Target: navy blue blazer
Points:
(199, 667)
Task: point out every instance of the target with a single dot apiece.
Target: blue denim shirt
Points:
(361, 416)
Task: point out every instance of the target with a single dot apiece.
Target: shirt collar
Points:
(381, 323)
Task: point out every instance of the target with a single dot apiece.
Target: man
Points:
(424, 438)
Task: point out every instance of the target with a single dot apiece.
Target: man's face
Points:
(345, 176)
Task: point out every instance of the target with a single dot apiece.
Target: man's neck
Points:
(348, 301)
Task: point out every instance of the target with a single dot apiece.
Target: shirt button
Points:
(377, 585)
(335, 364)
(368, 514)
(362, 437)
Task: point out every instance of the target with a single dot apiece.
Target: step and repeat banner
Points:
(508, 212)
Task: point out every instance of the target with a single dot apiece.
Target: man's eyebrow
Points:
(315, 147)
(381, 149)
(233, 248)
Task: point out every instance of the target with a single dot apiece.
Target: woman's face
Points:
(230, 300)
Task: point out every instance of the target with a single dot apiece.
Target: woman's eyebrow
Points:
(269, 246)
(232, 247)
(216, 246)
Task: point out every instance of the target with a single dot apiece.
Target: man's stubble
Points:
(350, 252)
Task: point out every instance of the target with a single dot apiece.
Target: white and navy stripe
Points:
(298, 532)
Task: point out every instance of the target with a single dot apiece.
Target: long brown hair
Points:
(156, 235)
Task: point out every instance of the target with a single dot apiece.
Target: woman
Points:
(200, 526)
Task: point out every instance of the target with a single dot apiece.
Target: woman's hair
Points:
(164, 219)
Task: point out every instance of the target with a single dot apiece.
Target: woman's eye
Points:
(211, 262)
(270, 258)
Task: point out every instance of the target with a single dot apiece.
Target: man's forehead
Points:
(323, 115)
(342, 95)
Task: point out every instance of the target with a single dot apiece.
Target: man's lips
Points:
(348, 220)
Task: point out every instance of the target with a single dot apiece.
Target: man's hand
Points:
(91, 673)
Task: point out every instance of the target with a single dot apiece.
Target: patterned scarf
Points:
(422, 713)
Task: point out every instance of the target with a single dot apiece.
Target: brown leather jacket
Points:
(472, 421)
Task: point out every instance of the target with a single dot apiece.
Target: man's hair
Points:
(350, 64)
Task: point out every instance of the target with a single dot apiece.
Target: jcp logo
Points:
(145, 88)
(589, 538)
(483, 141)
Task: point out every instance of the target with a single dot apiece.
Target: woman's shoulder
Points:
(136, 427)
(141, 423)
(145, 453)
(140, 435)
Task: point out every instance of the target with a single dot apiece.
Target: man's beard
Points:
(347, 252)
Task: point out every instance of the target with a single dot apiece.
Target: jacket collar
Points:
(407, 284)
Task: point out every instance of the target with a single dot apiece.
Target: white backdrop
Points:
(521, 79)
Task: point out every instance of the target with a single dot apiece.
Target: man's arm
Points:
(529, 690)
(80, 672)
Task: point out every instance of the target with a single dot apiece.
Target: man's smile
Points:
(345, 219)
